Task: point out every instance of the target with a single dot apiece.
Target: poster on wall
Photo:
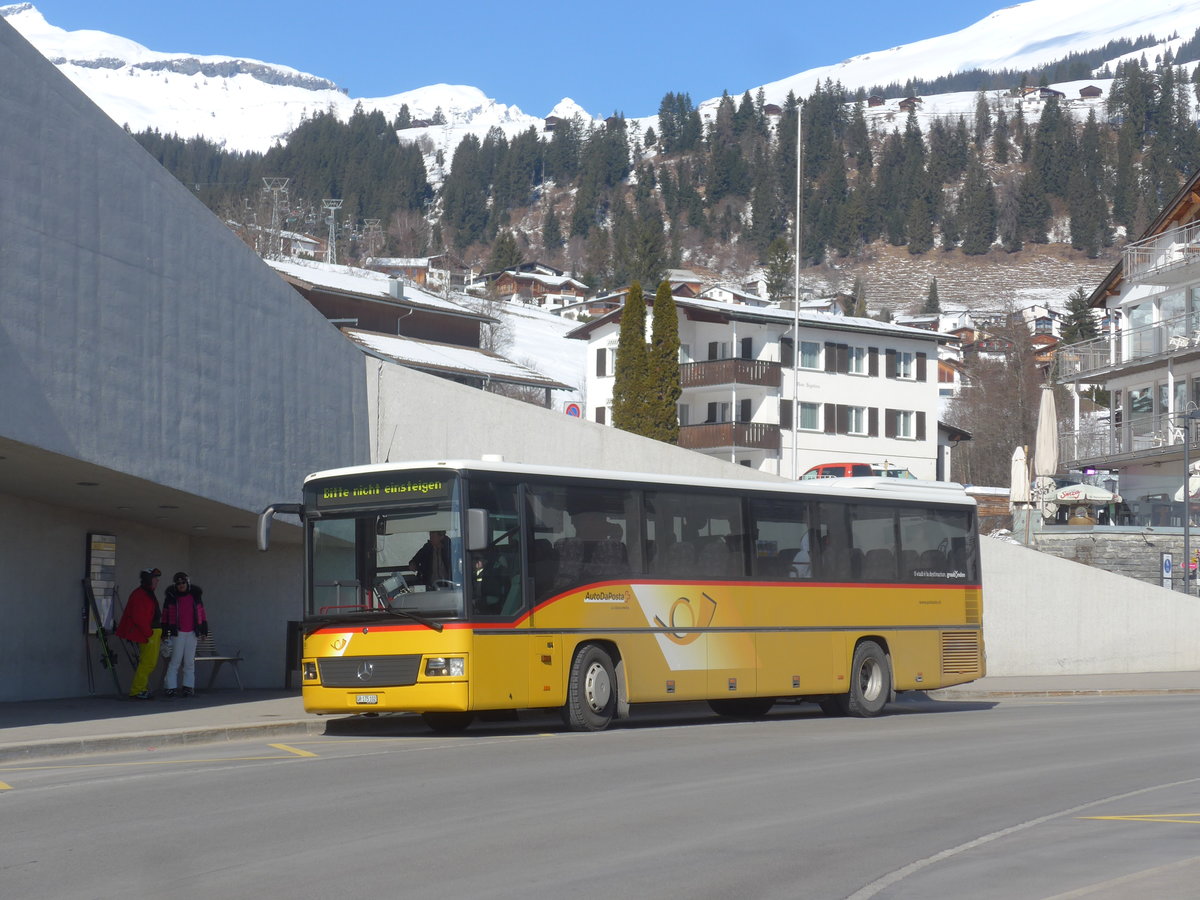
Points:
(101, 573)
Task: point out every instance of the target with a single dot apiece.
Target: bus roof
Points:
(908, 489)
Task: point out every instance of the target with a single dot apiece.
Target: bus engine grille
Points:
(960, 653)
(369, 671)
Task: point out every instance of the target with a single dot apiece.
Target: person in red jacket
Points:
(139, 624)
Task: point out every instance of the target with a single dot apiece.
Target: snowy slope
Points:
(249, 105)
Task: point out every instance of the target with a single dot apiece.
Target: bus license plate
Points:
(367, 699)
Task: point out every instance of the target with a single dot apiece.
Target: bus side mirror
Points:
(477, 529)
(268, 514)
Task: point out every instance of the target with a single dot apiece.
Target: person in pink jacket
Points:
(183, 620)
(139, 624)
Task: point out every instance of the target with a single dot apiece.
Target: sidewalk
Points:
(32, 730)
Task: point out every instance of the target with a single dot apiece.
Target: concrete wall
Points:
(1048, 616)
(416, 416)
(137, 331)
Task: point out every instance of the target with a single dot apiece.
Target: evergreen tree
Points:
(780, 270)
(552, 238)
(932, 305)
(631, 382)
(1080, 322)
(1000, 142)
(860, 297)
(505, 253)
(983, 121)
(663, 382)
(977, 211)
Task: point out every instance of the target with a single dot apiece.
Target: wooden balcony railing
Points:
(748, 435)
(729, 371)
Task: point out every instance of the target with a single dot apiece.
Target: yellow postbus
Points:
(455, 588)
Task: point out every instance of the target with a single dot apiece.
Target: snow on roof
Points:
(786, 316)
(448, 358)
(364, 283)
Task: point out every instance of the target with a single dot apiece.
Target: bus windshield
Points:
(402, 558)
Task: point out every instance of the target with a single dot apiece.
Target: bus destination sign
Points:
(377, 489)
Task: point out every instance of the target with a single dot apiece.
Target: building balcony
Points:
(1171, 258)
(1152, 436)
(728, 435)
(1129, 347)
(718, 372)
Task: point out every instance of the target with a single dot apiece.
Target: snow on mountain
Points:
(250, 105)
(1017, 37)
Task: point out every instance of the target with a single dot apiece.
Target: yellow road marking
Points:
(1181, 818)
(295, 750)
(143, 762)
(5, 787)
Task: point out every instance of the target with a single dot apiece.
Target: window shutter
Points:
(843, 358)
(712, 350)
(889, 423)
(785, 414)
(712, 413)
(747, 348)
(830, 419)
(843, 419)
(787, 353)
(873, 422)
(920, 426)
(873, 361)
(921, 357)
(600, 411)
(744, 412)
(600, 362)
(830, 356)
(890, 365)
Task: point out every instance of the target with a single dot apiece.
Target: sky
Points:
(617, 56)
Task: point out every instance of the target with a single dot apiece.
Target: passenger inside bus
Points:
(591, 554)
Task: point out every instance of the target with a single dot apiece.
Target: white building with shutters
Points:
(853, 390)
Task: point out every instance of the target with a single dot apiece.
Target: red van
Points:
(854, 470)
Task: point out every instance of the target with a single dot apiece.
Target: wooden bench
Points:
(206, 652)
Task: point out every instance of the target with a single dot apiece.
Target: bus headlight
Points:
(310, 671)
(446, 665)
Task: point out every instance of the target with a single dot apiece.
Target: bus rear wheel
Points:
(591, 691)
(870, 682)
(448, 721)
(742, 707)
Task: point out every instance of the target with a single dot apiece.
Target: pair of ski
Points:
(108, 656)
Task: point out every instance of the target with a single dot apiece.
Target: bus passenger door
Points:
(500, 665)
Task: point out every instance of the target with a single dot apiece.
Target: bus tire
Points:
(870, 681)
(742, 707)
(448, 721)
(591, 691)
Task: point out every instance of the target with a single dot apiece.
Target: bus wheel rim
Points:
(870, 680)
(596, 687)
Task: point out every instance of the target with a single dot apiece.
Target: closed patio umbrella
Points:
(1018, 483)
(1045, 449)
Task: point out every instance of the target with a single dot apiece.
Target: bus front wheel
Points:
(591, 692)
(870, 682)
(448, 721)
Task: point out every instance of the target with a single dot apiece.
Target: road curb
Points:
(151, 740)
(1082, 692)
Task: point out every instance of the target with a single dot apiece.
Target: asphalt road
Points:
(1095, 797)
